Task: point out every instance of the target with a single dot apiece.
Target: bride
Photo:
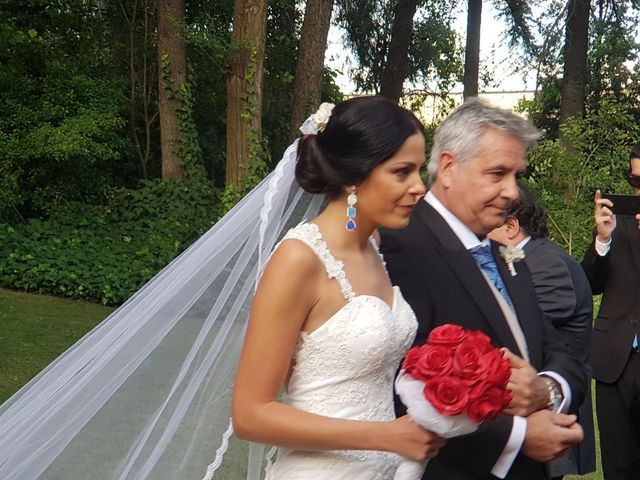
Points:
(326, 322)
(146, 394)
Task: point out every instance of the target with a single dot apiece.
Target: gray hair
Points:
(461, 131)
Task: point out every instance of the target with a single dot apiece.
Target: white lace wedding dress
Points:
(346, 369)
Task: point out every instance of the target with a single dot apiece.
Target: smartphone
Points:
(624, 204)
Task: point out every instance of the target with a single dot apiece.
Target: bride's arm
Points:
(286, 294)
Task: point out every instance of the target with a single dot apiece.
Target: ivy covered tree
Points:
(244, 91)
(172, 78)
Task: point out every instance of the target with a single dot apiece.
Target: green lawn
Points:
(35, 329)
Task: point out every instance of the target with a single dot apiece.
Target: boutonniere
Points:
(511, 255)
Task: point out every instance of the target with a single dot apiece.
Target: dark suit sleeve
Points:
(553, 286)
(596, 268)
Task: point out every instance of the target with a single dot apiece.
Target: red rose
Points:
(486, 401)
(497, 368)
(448, 395)
(411, 359)
(466, 360)
(434, 360)
(447, 335)
(478, 338)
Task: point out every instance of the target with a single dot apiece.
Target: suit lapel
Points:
(466, 270)
(519, 287)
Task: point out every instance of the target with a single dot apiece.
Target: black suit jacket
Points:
(617, 277)
(443, 284)
(563, 293)
(564, 296)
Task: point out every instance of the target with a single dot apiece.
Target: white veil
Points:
(146, 394)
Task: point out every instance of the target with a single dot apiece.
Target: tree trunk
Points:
(472, 52)
(575, 60)
(397, 65)
(307, 85)
(244, 88)
(172, 76)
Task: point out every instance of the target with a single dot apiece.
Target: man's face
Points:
(634, 164)
(480, 191)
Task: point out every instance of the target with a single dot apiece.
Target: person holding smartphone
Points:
(612, 265)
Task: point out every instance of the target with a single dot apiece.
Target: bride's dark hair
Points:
(362, 133)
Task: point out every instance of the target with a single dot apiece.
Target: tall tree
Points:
(397, 66)
(472, 51)
(431, 43)
(244, 88)
(307, 84)
(575, 60)
(172, 78)
(516, 14)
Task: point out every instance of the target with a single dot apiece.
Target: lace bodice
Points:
(345, 369)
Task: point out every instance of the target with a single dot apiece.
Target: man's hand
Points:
(604, 217)
(529, 391)
(549, 435)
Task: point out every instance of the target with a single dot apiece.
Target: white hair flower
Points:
(511, 255)
(321, 117)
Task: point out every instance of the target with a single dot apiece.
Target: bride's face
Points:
(389, 193)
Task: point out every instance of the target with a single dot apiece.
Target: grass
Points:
(35, 329)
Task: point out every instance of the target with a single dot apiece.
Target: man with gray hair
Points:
(450, 272)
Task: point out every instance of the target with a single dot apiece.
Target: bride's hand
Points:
(408, 439)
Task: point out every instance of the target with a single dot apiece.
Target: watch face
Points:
(555, 395)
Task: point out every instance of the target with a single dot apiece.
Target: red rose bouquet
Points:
(451, 384)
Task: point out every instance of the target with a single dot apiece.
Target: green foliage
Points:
(593, 155)
(107, 253)
(208, 38)
(284, 22)
(613, 73)
(60, 126)
(434, 55)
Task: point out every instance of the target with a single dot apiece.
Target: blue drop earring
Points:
(352, 199)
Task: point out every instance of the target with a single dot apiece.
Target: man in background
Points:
(612, 265)
(564, 295)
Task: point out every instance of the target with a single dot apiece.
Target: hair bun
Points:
(312, 167)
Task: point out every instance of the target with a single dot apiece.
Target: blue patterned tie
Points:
(484, 258)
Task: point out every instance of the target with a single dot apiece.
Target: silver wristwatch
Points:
(555, 394)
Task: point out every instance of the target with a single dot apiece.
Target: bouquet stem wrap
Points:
(421, 412)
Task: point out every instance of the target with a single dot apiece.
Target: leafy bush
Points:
(593, 154)
(61, 129)
(106, 253)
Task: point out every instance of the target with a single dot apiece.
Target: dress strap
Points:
(309, 233)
